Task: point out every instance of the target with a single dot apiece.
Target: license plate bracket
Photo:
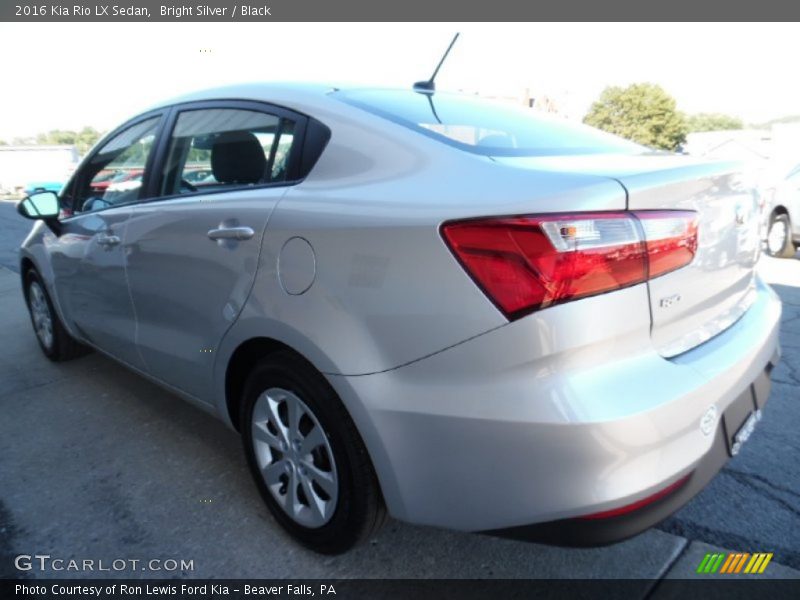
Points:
(744, 432)
(741, 417)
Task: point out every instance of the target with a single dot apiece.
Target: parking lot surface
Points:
(97, 463)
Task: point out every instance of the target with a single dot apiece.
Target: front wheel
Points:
(307, 457)
(56, 343)
(779, 237)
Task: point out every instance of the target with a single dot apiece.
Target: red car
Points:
(105, 178)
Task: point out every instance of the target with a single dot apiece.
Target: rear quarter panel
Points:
(387, 291)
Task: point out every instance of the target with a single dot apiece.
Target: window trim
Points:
(69, 189)
(169, 115)
(162, 148)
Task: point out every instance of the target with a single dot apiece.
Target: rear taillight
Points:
(671, 239)
(532, 262)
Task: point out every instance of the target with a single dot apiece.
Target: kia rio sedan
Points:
(464, 314)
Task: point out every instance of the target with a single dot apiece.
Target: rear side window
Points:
(218, 148)
(485, 127)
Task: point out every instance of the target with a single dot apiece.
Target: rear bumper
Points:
(567, 412)
(601, 530)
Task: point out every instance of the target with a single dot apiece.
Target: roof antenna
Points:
(429, 85)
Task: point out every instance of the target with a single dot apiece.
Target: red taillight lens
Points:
(532, 262)
(671, 238)
(639, 504)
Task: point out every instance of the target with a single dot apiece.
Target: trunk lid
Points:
(694, 303)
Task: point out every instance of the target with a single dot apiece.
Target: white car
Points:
(782, 215)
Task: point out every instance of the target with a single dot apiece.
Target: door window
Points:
(219, 148)
(115, 173)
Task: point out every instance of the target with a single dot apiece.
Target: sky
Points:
(67, 75)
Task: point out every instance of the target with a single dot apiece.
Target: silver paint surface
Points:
(471, 422)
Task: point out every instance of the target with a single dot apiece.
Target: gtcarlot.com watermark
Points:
(45, 563)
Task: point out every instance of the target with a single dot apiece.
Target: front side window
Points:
(215, 149)
(115, 173)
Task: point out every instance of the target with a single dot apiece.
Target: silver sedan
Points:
(464, 314)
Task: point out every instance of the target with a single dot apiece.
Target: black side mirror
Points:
(39, 205)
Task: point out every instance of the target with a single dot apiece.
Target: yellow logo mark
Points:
(734, 563)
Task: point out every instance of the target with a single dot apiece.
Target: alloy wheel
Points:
(40, 311)
(294, 457)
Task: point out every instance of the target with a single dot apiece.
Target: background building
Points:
(21, 165)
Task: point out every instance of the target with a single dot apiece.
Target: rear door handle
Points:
(231, 233)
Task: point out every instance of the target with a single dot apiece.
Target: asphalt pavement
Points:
(97, 463)
(13, 229)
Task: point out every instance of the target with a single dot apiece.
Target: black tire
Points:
(786, 248)
(359, 510)
(62, 345)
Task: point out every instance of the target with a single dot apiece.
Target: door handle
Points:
(231, 233)
(108, 240)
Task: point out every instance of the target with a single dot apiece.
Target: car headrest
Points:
(237, 157)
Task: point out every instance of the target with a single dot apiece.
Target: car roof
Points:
(274, 92)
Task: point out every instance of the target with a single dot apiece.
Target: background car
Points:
(782, 214)
(197, 175)
(103, 179)
(114, 177)
(43, 186)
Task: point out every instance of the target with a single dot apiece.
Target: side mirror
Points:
(40, 205)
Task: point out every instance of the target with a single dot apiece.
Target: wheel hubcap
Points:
(40, 311)
(294, 457)
(776, 239)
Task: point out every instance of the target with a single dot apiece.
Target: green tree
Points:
(86, 138)
(712, 122)
(82, 140)
(642, 112)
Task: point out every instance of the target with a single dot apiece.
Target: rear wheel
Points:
(779, 237)
(307, 457)
(56, 343)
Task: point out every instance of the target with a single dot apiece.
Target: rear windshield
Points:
(486, 127)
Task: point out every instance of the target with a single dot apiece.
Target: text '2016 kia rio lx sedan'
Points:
(465, 314)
